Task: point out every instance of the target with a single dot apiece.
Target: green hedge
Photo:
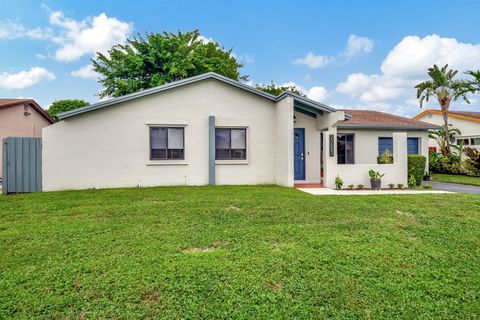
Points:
(416, 167)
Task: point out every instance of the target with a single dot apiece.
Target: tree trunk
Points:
(445, 106)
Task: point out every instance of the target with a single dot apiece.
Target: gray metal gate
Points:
(22, 165)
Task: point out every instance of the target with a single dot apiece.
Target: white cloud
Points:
(315, 61)
(85, 72)
(244, 58)
(316, 93)
(295, 85)
(24, 79)
(86, 37)
(12, 30)
(205, 40)
(406, 65)
(355, 45)
(40, 56)
(358, 45)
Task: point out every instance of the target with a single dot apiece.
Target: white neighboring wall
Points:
(110, 147)
(468, 129)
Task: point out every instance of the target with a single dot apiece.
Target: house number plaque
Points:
(331, 141)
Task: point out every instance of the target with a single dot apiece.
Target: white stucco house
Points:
(468, 122)
(210, 129)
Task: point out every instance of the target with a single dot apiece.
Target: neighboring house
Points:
(467, 122)
(21, 118)
(210, 129)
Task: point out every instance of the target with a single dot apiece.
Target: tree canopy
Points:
(275, 90)
(159, 58)
(60, 106)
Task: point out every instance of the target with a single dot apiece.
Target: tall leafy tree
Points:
(159, 58)
(60, 106)
(444, 88)
(275, 90)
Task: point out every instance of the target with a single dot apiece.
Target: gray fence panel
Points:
(11, 165)
(22, 165)
(19, 164)
(4, 166)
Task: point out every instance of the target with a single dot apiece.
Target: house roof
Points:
(464, 115)
(17, 102)
(300, 102)
(369, 119)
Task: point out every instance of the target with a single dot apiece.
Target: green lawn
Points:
(238, 252)
(456, 179)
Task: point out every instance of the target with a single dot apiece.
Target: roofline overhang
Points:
(450, 114)
(317, 106)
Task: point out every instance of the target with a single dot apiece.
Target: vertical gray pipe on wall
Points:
(211, 150)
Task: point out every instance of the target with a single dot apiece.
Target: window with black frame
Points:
(230, 144)
(167, 143)
(345, 148)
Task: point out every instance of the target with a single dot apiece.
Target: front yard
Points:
(454, 178)
(238, 252)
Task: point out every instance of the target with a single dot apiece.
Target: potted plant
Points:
(375, 179)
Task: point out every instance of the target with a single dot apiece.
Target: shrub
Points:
(350, 187)
(416, 167)
(400, 186)
(338, 182)
(470, 168)
(385, 158)
(360, 186)
(412, 182)
(474, 157)
(427, 186)
(391, 185)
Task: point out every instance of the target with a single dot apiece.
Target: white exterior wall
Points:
(365, 154)
(284, 142)
(110, 147)
(468, 129)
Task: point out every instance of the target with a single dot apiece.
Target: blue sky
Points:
(350, 54)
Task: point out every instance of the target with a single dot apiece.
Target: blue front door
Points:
(299, 153)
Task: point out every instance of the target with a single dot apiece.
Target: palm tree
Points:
(476, 80)
(445, 89)
(439, 137)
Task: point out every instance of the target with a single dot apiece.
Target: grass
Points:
(238, 252)
(453, 178)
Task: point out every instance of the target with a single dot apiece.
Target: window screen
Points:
(167, 143)
(230, 144)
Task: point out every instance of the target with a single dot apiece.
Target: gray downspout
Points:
(211, 150)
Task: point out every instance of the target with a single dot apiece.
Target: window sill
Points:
(167, 163)
(222, 162)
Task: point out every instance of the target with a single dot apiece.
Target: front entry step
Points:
(308, 185)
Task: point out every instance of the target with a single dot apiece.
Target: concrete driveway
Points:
(453, 187)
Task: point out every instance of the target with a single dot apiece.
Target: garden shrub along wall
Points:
(453, 164)
(416, 167)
